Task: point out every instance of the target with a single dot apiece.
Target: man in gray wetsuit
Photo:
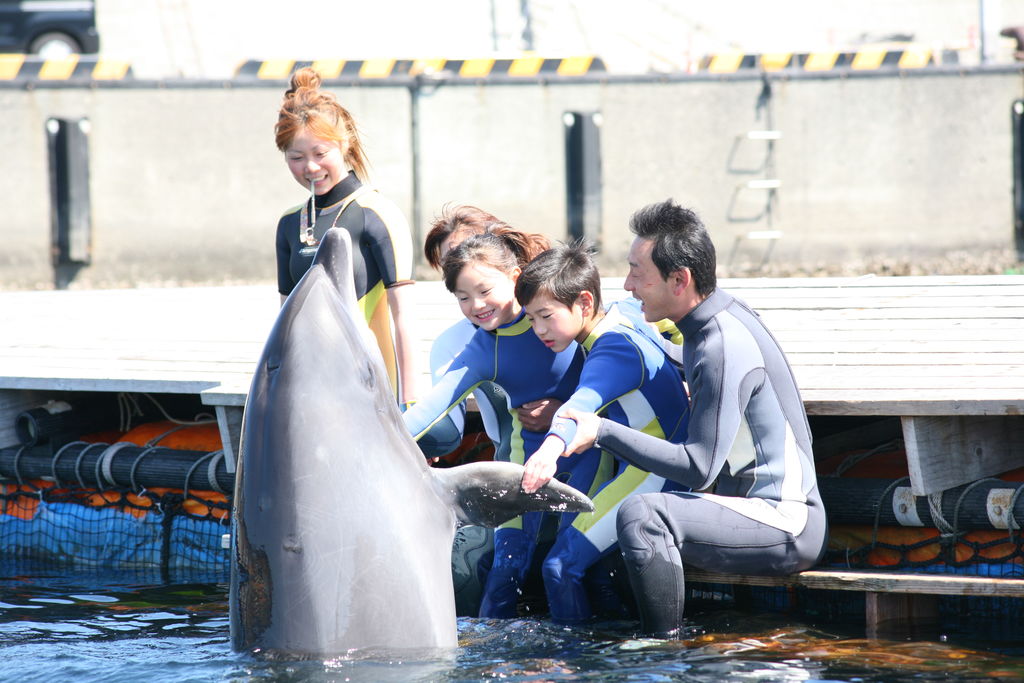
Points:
(754, 506)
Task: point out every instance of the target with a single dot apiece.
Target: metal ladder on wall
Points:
(768, 184)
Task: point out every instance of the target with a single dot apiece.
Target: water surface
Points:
(71, 626)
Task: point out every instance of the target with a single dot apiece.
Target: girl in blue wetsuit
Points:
(449, 230)
(482, 272)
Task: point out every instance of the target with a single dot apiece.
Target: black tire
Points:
(61, 43)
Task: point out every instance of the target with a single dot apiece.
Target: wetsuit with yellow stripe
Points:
(382, 252)
(517, 361)
(628, 379)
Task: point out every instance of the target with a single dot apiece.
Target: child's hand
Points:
(541, 466)
(536, 415)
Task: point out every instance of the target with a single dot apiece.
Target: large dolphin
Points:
(342, 534)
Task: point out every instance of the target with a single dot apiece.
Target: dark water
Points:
(129, 627)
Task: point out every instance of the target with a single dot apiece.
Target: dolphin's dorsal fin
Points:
(335, 256)
(489, 493)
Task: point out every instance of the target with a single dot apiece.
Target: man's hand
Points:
(541, 466)
(587, 425)
(536, 415)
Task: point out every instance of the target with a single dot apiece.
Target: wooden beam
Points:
(910, 402)
(948, 451)
(229, 421)
(891, 613)
(874, 581)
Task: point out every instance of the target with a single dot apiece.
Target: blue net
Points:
(85, 529)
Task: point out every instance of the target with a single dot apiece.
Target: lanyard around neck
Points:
(307, 222)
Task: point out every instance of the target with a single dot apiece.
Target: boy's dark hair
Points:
(564, 272)
(680, 241)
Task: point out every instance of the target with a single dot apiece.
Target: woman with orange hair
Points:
(324, 154)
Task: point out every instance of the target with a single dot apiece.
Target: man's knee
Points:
(632, 508)
(638, 530)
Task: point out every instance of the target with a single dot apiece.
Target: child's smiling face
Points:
(486, 295)
(554, 323)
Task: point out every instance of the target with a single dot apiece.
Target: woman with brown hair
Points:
(323, 151)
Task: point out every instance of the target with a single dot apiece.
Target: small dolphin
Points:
(342, 534)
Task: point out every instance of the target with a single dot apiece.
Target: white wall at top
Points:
(210, 38)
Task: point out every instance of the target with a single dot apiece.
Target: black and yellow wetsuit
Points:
(382, 251)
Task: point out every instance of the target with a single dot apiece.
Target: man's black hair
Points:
(680, 241)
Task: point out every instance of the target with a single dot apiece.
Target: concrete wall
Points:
(187, 185)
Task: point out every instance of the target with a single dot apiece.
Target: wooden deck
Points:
(865, 346)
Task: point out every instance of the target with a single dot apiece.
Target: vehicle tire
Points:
(54, 45)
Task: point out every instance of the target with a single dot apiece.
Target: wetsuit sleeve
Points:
(718, 398)
(391, 240)
(443, 351)
(464, 375)
(285, 283)
(614, 367)
(446, 435)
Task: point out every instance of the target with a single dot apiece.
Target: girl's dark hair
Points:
(458, 220)
(564, 272)
(502, 248)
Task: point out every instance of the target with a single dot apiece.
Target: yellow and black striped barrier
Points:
(485, 67)
(78, 68)
(865, 59)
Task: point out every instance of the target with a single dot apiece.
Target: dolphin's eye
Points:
(273, 363)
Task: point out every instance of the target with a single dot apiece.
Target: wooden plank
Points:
(874, 581)
(870, 330)
(921, 347)
(904, 374)
(845, 379)
(225, 395)
(229, 422)
(867, 280)
(933, 304)
(912, 402)
(887, 613)
(890, 359)
(966, 313)
(159, 385)
(944, 451)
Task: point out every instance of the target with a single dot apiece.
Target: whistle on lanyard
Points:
(309, 238)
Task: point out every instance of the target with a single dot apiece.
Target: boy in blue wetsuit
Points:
(626, 377)
(481, 272)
